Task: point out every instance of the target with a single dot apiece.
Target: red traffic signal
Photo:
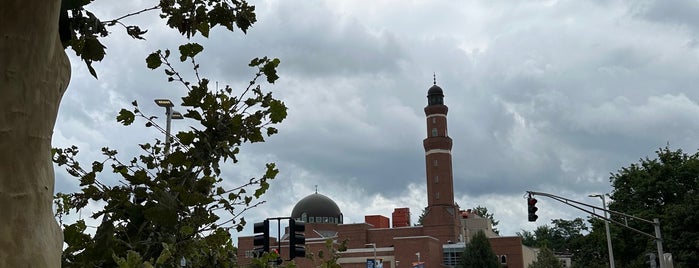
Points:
(297, 239)
(261, 238)
(531, 204)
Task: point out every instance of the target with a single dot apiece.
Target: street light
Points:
(374, 246)
(606, 226)
(169, 114)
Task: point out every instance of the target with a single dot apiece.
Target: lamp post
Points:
(169, 114)
(606, 226)
(374, 246)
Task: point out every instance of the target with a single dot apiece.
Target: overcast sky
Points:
(548, 96)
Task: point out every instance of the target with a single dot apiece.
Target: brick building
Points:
(438, 242)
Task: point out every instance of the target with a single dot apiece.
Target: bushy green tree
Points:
(161, 207)
(546, 259)
(663, 188)
(479, 254)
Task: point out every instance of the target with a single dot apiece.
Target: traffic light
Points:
(261, 239)
(531, 202)
(297, 239)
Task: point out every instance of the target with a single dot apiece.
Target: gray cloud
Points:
(543, 95)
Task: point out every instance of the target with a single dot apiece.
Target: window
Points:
(436, 179)
(503, 259)
(304, 217)
(437, 195)
(436, 163)
(434, 120)
(434, 132)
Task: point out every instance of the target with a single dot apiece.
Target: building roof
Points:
(435, 90)
(316, 205)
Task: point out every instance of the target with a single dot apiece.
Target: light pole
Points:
(374, 246)
(169, 114)
(606, 226)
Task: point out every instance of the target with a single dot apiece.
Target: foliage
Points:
(567, 236)
(559, 237)
(421, 218)
(546, 259)
(270, 259)
(81, 30)
(160, 207)
(483, 212)
(663, 188)
(329, 259)
(479, 254)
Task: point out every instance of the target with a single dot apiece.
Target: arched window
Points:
(503, 259)
(304, 217)
(434, 132)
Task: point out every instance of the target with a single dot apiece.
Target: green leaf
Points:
(277, 111)
(164, 255)
(186, 230)
(125, 117)
(93, 49)
(153, 60)
(190, 50)
(89, 68)
(186, 138)
(270, 70)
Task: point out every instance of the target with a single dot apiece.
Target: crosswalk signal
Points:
(297, 239)
(531, 203)
(261, 239)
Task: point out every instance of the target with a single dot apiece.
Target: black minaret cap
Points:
(435, 95)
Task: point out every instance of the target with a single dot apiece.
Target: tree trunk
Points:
(34, 73)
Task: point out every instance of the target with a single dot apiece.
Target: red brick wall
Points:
(401, 217)
(511, 247)
(377, 221)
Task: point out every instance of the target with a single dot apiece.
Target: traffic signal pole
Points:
(579, 205)
(297, 239)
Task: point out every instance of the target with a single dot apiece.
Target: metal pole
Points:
(609, 237)
(374, 244)
(659, 242)
(168, 114)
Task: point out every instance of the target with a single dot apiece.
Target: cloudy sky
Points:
(548, 96)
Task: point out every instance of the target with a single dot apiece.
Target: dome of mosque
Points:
(317, 208)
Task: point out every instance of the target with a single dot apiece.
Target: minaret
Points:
(443, 218)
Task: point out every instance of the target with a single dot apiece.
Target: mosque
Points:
(438, 242)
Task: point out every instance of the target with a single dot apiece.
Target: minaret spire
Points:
(442, 216)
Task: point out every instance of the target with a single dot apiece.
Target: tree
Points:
(328, 258)
(663, 188)
(421, 218)
(483, 212)
(546, 259)
(560, 237)
(168, 204)
(36, 73)
(567, 236)
(479, 254)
